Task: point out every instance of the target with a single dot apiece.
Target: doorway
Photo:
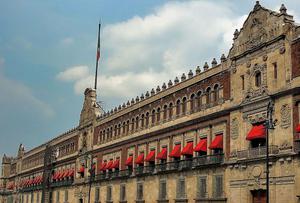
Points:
(259, 196)
(80, 200)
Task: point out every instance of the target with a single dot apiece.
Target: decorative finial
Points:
(205, 67)
(170, 84)
(128, 103)
(198, 70)
(164, 86)
(176, 80)
(116, 109)
(147, 94)
(119, 108)
(137, 99)
(142, 97)
(190, 74)
(132, 101)
(123, 105)
(152, 91)
(214, 63)
(257, 5)
(223, 58)
(183, 77)
(283, 9)
(158, 89)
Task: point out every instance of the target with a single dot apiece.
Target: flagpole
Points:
(97, 57)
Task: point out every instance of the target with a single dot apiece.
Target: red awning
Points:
(201, 146)
(298, 128)
(151, 156)
(103, 166)
(60, 175)
(66, 172)
(175, 153)
(217, 143)
(140, 159)
(116, 163)
(162, 154)
(257, 132)
(109, 165)
(188, 149)
(129, 161)
(71, 173)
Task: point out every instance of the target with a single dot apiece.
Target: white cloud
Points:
(142, 52)
(73, 73)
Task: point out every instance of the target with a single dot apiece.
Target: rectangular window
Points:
(140, 191)
(162, 190)
(31, 198)
(66, 195)
(97, 194)
(180, 189)
(275, 70)
(243, 82)
(109, 193)
(201, 187)
(217, 186)
(38, 197)
(123, 192)
(57, 196)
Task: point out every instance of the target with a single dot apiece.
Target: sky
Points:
(48, 54)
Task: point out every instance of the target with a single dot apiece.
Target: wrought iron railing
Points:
(208, 160)
(257, 152)
(62, 183)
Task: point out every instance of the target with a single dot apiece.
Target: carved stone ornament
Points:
(248, 64)
(234, 129)
(256, 171)
(282, 50)
(265, 57)
(285, 116)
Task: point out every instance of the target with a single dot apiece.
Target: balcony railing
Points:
(62, 183)
(161, 167)
(208, 160)
(257, 152)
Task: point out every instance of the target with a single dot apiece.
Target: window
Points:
(216, 92)
(192, 103)
(208, 91)
(180, 189)
(170, 110)
(66, 195)
(116, 131)
(127, 127)
(162, 190)
(158, 115)
(217, 186)
(140, 191)
(275, 70)
(243, 81)
(258, 79)
(31, 197)
(123, 192)
(165, 112)
(57, 196)
(147, 119)
(143, 120)
(178, 107)
(201, 187)
(109, 193)
(132, 124)
(38, 197)
(119, 128)
(184, 105)
(124, 126)
(153, 117)
(97, 194)
(199, 99)
(137, 120)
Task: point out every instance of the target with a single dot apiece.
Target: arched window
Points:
(100, 137)
(216, 92)
(184, 105)
(137, 119)
(124, 126)
(192, 103)
(258, 79)
(119, 129)
(208, 91)
(153, 116)
(143, 120)
(158, 115)
(178, 107)
(127, 127)
(165, 112)
(132, 124)
(199, 99)
(111, 133)
(103, 136)
(116, 131)
(147, 119)
(170, 110)
(107, 134)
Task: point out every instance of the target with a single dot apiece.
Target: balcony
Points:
(258, 152)
(208, 160)
(185, 164)
(125, 173)
(160, 168)
(32, 188)
(62, 183)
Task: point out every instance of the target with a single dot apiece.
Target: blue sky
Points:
(47, 55)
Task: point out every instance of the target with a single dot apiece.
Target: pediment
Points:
(261, 26)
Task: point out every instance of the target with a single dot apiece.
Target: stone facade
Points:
(130, 154)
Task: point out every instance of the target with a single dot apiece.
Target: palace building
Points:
(200, 138)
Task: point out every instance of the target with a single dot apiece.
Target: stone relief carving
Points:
(234, 129)
(285, 116)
